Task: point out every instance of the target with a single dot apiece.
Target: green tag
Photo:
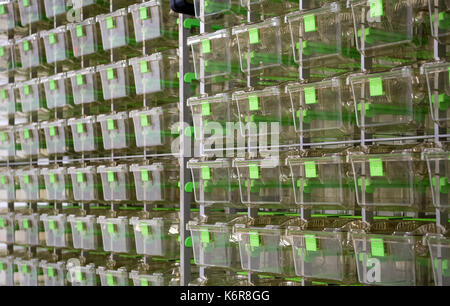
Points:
(253, 104)
(80, 226)
(206, 46)
(3, 136)
(376, 8)
(254, 171)
(3, 180)
(80, 128)
(26, 134)
(51, 225)
(144, 229)
(80, 80)
(2, 9)
(377, 246)
(79, 30)
(110, 280)
(52, 84)
(51, 178)
(254, 36)
(376, 87)
(2, 51)
(79, 276)
(2, 266)
(310, 23)
(254, 239)
(111, 228)
(144, 175)
(109, 23)
(144, 120)
(311, 242)
(310, 169)
(144, 67)
(143, 13)
(26, 3)
(204, 236)
(26, 223)
(206, 173)
(52, 131)
(51, 39)
(376, 167)
(3, 93)
(310, 95)
(80, 178)
(144, 282)
(50, 272)
(26, 179)
(110, 176)
(25, 269)
(110, 73)
(2, 222)
(206, 109)
(26, 45)
(110, 124)
(26, 89)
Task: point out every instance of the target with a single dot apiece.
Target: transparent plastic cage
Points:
(57, 231)
(56, 136)
(211, 54)
(115, 182)
(115, 80)
(322, 181)
(263, 246)
(84, 37)
(84, 183)
(114, 29)
(157, 235)
(259, 45)
(7, 100)
(30, 184)
(28, 231)
(261, 183)
(154, 279)
(7, 225)
(28, 272)
(55, 8)
(54, 273)
(156, 73)
(57, 184)
(322, 36)
(393, 180)
(214, 181)
(56, 44)
(7, 54)
(29, 139)
(8, 15)
(438, 83)
(7, 271)
(86, 232)
(31, 96)
(7, 185)
(439, 247)
(386, 100)
(115, 130)
(31, 52)
(117, 277)
(440, 20)
(438, 164)
(116, 234)
(7, 143)
(57, 91)
(31, 11)
(83, 275)
(320, 109)
(157, 182)
(84, 85)
(84, 134)
(211, 7)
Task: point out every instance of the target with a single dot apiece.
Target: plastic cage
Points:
(439, 247)
(7, 185)
(31, 96)
(31, 11)
(84, 183)
(440, 20)
(56, 136)
(438, 164)
(117, 277)
(7, 271)
(7, 143)
(7, 99)
(30, 185)
(55, 8)
(7, 54)
(29, 139)
(7, 225)
(8, 15)
(58, 233)
(83, 275)
(56, 44)
(28, 271)
(57, 184)
(114, 29)
(115, 130)
(115, 182)
(115, 80)
(28, 231)
(116, 234)
(84, 134)
(84, 85)
(54, 273)
(86, 232)
(31, 52)
(57, 91)
(154, 279)
(84, 37)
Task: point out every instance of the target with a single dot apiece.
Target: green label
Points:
(2, 51)
(26, 223)
(204, 236)
(110, 23)
(51, 39)
(206, 109)
(253, 102)
(376, 167)
(253, 36)
(50, 272)
(253, 171)
(51, 130)
(376, 87)
(254, 239)
(80, 80)
(52, 84)
(26, 3)
(80, 177)
(2, 267)
(3, 136)
(26, 179)
(3, 180)
(144, 120)
(79, 276)
(144, 175)
(206, 46)
(310, 23)
(80, 226)
(377, 246)
(110, 280)
(144, 229)
(111, 229)
(80, 128)
(311, 242)
(144, 66)
(376, 8)
(144, 282)
(206, 173)
(51, 225)
(25, 269)
(3, 93)
(110, 124)
(26, 134)
(2, 9)
(52, 178)
(310, 95)
(79, 30)
(26, 89)
(2, 222)
(26, 45)
(143, 14)
(110, 73)
(110, 176)
(310, 169)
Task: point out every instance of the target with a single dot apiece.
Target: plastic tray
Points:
(57, 184)
(115, 182)
(56, 44)
(54, 273)
(84, 134)
(84, 183)
(84, 85)
(57, 231)
(7, 228)
(28, 231)
(57, 91)
(86, 232)
(116, 234)
(115, 131)
(114, 80)
(56, 136)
